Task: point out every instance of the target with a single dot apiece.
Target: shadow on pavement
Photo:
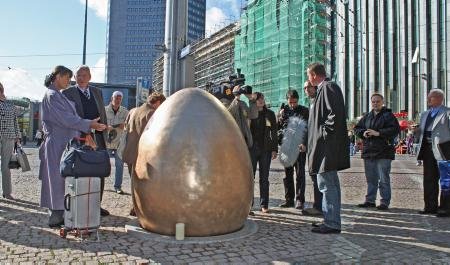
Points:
(368, 236)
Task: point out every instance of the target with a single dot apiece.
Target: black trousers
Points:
(288, 180)
(263, 158)
(317, 194)
(431, 181)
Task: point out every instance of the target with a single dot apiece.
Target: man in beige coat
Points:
(136, 122)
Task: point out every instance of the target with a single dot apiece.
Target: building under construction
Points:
(213, 59)
(276, 42)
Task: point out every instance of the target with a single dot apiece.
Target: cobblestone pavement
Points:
(399, 235)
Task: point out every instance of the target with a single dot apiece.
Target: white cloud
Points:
(98, 71)
(215, 20)
(18, 83)
(100, 7)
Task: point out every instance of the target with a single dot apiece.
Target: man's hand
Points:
(369, 132)
(302, 148)
(274, 155)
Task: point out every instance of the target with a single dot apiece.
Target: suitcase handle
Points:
(67, 202)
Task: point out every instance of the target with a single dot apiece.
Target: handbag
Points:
(13, 163)
(84, 161)
(22, 158)
(444, 176)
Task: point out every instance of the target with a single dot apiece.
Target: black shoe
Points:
(251, 213)
(299, 205)
(367, 205)
(56, 225)
(132, 212)
(425, 211)
(383, 207)
(119, 191)
(316, 224)
(442, 213)
(103, 212)
(312, 212)
(323, 229)
(287, 205)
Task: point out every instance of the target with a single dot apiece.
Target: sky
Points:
(37, 35)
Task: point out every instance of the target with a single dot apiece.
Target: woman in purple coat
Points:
(60, 124)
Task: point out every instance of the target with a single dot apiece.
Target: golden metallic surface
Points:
(193, 167)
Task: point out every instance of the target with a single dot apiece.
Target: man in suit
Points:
(327, 146)
(89, 105)
(434, 145)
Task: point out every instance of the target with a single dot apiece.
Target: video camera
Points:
(224, 90)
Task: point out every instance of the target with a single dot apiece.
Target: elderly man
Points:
(378, 128)
(89, 105)
(434, 146)
(116, 115)
(327, 146)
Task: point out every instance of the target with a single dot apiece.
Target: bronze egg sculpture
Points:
(193, 167)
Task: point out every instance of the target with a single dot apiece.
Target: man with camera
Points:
(116, 116)
(243, 113)
(293, 109)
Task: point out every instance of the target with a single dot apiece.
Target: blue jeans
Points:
(328, 183)
(352, 149)
(377, 175)
(119, 168)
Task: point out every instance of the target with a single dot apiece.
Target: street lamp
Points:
(85, 31)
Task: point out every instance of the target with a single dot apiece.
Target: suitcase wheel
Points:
(62, 232)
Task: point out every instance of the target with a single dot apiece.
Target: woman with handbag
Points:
(9, 135)
(60, 123)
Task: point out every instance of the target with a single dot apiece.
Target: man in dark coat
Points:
(89, 105)
(327, 145)
(378, 129)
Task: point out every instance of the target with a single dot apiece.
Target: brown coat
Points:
(136, 122)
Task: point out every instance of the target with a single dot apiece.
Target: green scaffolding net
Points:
(277, 40)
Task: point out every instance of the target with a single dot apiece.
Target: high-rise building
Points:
(136, 36)
(397, 48)
(276, 43)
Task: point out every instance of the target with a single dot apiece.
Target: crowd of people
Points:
(79, 111)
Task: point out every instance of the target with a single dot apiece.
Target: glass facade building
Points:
(136, 36)
(396, 48)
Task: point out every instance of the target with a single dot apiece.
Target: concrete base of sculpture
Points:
(133, 228)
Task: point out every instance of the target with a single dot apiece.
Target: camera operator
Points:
(290, 110)
(243, 113)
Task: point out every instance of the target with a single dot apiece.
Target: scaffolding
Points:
(277, 41)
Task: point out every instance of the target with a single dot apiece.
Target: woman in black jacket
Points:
(264, 148)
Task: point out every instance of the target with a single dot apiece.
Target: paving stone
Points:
(369, 236)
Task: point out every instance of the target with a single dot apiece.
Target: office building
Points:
(135, 36)
(396, 48)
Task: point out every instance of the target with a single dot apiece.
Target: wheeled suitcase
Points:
(82, 206)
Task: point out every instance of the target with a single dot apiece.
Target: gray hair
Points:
(83, 68)
(437, 91)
